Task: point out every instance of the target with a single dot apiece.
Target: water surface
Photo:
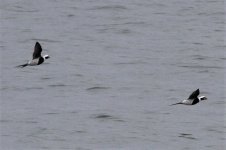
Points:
(115, 68)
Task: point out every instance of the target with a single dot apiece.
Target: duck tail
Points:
(176, 104)
(22, 66)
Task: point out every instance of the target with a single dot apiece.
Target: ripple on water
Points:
(58, 85)
(201, 67)
(97, 88)
(109, 7)
(199, 57)
(187, 136)
(31, 122)
(45, 78)
(51, 113)
(22, 9)
(5, 121)
(103, 116)
(33, 88)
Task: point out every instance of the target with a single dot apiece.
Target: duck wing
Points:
(37, 51)
(194, 95)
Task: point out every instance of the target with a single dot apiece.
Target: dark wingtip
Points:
(37, 43)
(38, 46)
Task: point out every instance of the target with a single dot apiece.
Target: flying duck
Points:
(37, 57)
(192, 99)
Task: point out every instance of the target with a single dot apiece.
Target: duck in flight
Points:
(37, 57)
(192, 99)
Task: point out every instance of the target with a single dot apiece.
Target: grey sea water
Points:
(115, 68)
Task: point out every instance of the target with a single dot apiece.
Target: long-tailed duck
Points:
(37, 57)
(192, 99)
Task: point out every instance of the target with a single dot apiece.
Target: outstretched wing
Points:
(37, 51)
(194, 94)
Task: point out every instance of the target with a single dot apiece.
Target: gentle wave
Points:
(95, 88)
(109, 7)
